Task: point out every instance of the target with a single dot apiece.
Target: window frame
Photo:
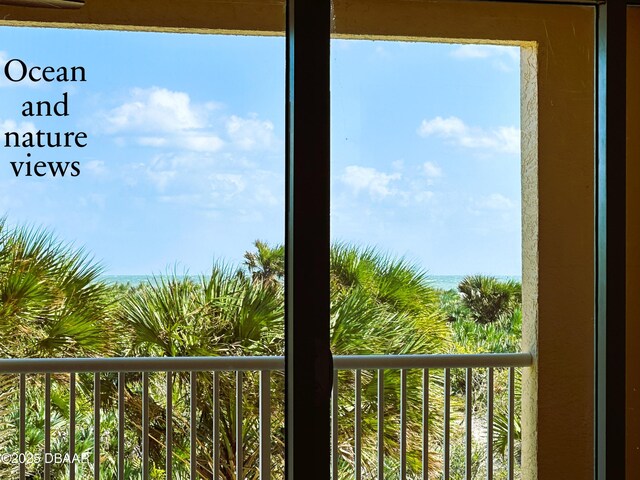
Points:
(266, 18)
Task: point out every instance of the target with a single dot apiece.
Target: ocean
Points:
(443, 282)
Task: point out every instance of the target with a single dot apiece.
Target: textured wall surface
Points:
(530, 253)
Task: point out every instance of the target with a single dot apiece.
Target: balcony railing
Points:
(363, 376)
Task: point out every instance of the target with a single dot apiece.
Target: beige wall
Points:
(558, 161)
(225, 16)
(633, 245)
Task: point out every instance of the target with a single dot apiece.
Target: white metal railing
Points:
(265, 365)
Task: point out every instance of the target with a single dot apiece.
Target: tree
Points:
(266, 264)
(489, 299)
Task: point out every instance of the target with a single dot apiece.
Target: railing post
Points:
(380, 424)
(447, 422)
(47, 425)
(425, 424)
(216, 425)
(121, 380)
(468, 408)
(193, 426)
(239, 448)
(23, 411)
(358, 425)
(490, 424)
(145, 425)
(265, 425)
(511, 459)
(334, 427)
(96, 426)
(169, 428)
(403, 424)
(72, 425)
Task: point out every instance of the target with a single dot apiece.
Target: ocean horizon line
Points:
(442, 282)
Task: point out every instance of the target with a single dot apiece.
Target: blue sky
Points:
(185, 155)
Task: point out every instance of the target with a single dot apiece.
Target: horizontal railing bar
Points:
(184, 364)
(139, 364)
(480, 360)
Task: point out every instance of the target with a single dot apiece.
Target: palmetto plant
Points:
(51, 305)
(226, 313)
(501, 335)
(487, 298)
(381, 304)
(50, 302)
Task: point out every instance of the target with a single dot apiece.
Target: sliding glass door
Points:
(462, 138)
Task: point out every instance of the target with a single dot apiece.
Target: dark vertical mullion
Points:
(308, 362)
(610, 241)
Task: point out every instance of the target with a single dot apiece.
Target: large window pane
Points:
(426, 227)
(156, 231)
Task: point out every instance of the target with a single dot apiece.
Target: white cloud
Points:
(495, 201)
(423, 196)
(152, 141)
(161, 171)
(250, 133)
(431, 170)
(161, 118)
(217, 158)
(208, 182)
(227, 185)
(403, 190)
(502, 57)
(192, 141)
(446, 127)
(13, 126)
(161, 178)
(201, 143)
(187, 199)
(155, 110)
(185, 171)
(376, 183)
(265, 196)
(501, 139)
(486, 51)
(95, 167)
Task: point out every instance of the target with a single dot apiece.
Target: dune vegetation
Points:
(54, 303)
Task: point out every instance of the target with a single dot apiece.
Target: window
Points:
(178, 163)
(558, 188)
